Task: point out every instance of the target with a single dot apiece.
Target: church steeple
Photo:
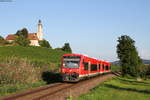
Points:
(40, 30)
(40, 21)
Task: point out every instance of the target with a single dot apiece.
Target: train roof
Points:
(82, 55)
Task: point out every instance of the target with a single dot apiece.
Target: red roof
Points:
(31, 36)
(11, 37)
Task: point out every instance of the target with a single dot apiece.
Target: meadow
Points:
(119, 89)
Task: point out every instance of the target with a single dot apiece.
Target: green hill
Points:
(33, 54)
(25, 67)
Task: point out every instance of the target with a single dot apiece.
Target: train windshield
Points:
(71, 61)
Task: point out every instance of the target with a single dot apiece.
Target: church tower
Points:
(40, 30)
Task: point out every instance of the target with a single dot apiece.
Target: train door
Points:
(97, 67)
(89, 68)
(86, 67)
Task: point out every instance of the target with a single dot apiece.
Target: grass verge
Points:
(14, 88)
(119, 89)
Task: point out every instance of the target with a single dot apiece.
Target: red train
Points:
(75, 67)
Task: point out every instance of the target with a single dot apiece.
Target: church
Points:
(33, 37)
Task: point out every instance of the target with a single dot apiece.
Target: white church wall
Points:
(34, 43)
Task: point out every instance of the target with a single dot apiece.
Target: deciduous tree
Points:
(130, 61)
(67, 48)
(22, 37)
(23, 32)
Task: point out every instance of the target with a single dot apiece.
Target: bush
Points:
(44, 43)
(21, 40)
(3, 41)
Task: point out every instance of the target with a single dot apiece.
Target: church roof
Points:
(31, 36)
(11, 37)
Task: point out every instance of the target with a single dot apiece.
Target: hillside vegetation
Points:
(25, 61)
(37, 54)
(26, 67)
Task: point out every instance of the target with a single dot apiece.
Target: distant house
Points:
(33, 37)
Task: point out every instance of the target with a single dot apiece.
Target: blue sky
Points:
(90, 26)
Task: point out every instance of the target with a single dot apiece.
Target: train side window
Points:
(85, 66)
(103, 67)
(93, 67)
(99, 66)
(107, 67)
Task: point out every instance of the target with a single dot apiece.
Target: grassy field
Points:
(115, 67)
(120, 89)
(37, 54)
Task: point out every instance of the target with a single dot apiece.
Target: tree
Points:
(44, 43)
(67, 48)
(3, 41)
(21, 40)
(23, 32)
(1, 38)
(22, 37)
(130, 61)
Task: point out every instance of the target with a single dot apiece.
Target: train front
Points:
(70, 67)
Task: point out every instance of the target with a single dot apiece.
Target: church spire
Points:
(40, 30)
(40, 21)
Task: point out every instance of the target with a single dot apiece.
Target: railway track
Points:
(60, 91)
(32, 94)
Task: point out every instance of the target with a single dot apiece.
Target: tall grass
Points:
(14, 71)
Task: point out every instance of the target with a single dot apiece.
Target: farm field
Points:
(119, 89)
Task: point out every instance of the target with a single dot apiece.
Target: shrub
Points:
(44, 43)
(21, 40)
(3, 41)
